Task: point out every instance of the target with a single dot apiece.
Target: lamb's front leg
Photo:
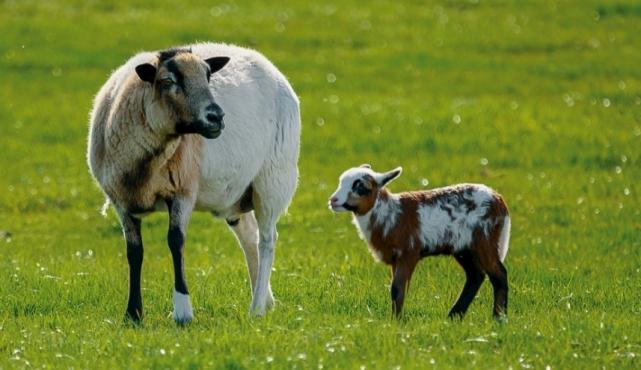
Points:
(180, 209)
(402, 274)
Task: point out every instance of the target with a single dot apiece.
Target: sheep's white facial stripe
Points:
(386, 213)
(451, 221)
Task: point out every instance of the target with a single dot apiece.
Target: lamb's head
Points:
(183, 102)
(358, 189)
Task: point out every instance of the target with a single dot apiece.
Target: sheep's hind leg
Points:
(273, 190)
(267, 236)
(473, 279)
(246, 230)
(133, 238)
(179, 213)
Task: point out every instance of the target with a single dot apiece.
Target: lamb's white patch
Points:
(504, 239)
(386, 213)
(437, 226)
(482, 197)
(182, 308)
(362, 223)
(363, 226)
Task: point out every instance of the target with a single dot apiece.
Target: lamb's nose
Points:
(334, 200)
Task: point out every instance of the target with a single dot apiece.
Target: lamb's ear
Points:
(146, 72)
(216, 63)
(365, 165)
(385, 178)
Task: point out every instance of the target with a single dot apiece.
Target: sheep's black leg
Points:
(498, 278)
(179, 213)
(473, 279)
(131, 228)
(176, 241)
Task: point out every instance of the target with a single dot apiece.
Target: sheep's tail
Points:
(105, 207)
(504, 238)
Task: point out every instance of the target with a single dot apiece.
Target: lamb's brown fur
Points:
(403, 240)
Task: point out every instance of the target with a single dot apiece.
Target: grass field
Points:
(540, 100)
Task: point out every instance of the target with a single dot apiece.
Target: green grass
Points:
(547, 94)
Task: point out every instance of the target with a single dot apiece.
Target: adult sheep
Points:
(157, 142)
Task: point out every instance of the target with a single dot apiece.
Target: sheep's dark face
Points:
(181, 87)
(358, 189)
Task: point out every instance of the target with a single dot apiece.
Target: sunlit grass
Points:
(540, 100)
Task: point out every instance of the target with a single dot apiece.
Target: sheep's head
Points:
(358, 189)
(181, 88)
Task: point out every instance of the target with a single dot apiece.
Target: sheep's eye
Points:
(166, 82)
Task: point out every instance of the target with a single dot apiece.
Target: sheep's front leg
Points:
(133, 238)
(402, 274)
(180, 210)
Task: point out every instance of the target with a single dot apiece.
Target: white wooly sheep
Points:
(469, 221)
(158, 141)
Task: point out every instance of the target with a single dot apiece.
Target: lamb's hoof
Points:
(183, 313)
(501, 319)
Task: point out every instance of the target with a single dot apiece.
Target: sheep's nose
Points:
(214, 114)
(215, 118)
(334, 200)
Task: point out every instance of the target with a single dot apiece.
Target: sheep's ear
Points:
(216, 63)
(387, 177)
(146, 72)
(365, 165)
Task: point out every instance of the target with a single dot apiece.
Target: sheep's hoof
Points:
(183, 312)
(258, 311)
(133, 318)
(270, 302)
(133, 315)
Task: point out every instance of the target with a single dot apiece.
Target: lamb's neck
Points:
(384, 212)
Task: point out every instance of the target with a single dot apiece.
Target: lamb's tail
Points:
(504, 238)
(105, 207)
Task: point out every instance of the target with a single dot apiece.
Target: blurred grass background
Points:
(538, 99)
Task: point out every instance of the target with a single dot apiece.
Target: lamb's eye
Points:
(359, 188)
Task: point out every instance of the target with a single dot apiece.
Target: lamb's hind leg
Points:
(180, 210)
(474, 277)
(498, 278)
(246, 230)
